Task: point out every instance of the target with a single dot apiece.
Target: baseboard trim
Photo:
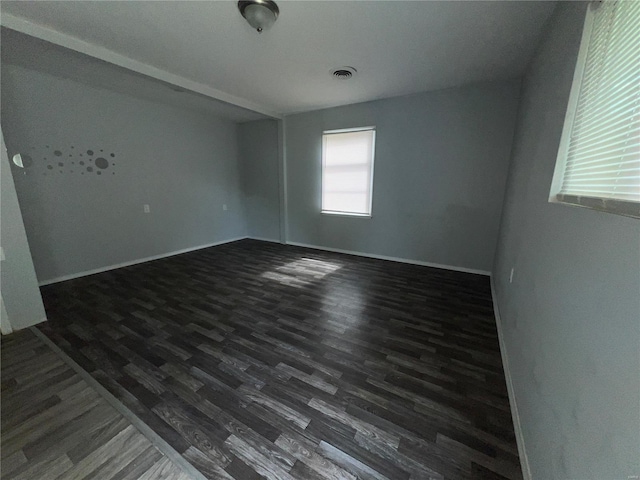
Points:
(135, 262)
(263, 239)
(393, 259)
(517, 426)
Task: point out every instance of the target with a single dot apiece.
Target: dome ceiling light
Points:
(260, 14)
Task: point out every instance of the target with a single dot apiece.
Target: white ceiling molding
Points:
(44, 33)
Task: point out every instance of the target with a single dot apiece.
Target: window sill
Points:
(618, 207)
(345, 214)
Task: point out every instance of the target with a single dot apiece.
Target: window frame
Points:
(371, 128)
(616, 206)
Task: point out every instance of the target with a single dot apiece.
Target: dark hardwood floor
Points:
(55, 426)
(256, 360)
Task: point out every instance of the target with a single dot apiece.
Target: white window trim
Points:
(373, 157)
(620, 207)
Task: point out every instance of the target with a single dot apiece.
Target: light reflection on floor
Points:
(342, 302)
(311, 270)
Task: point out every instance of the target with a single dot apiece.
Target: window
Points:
(347, 171)
(598, 163)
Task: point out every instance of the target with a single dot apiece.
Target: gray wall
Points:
(258, 154)
(183, 164)
(18, 282)
(571, 317)
(440, 169)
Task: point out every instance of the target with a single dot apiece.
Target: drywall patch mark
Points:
(101, 163)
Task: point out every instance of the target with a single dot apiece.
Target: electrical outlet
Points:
(224, 207)
(147, 209)
(511, 275)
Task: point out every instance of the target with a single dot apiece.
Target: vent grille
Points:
(344, 73)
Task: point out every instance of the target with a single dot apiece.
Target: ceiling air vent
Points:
(344, 73)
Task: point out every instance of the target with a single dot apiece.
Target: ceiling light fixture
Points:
(260, 14)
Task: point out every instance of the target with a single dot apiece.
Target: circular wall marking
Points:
(60, 164)
(89, 152)
(101, 163)
(57, 153)
(50, 167)
(113, 155)
(22, 161)
(89, 169)
(81, 162)
(99, 173)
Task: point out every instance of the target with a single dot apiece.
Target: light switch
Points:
(146, 208)
(224, 206)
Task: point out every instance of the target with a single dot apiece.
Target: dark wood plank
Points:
(256, 359)
(55, 425)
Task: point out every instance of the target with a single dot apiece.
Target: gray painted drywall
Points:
(441, 163)
(258, 154)
(182, 163)
(571, 317)
(18, 283)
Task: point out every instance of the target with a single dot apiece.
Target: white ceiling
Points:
(33, 53)
(397, 47)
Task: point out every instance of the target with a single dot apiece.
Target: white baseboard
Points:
(5, 325)
(524, 460)
(394, 259)
(134, 262)
(262, 239)
(22, 327)
(200, 247)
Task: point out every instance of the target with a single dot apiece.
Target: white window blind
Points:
(599, 157)
(347, 171)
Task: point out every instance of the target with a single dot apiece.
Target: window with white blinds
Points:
(599, 158)
(347, 171)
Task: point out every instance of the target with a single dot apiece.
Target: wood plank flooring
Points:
(55, 426)
(259, 360)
